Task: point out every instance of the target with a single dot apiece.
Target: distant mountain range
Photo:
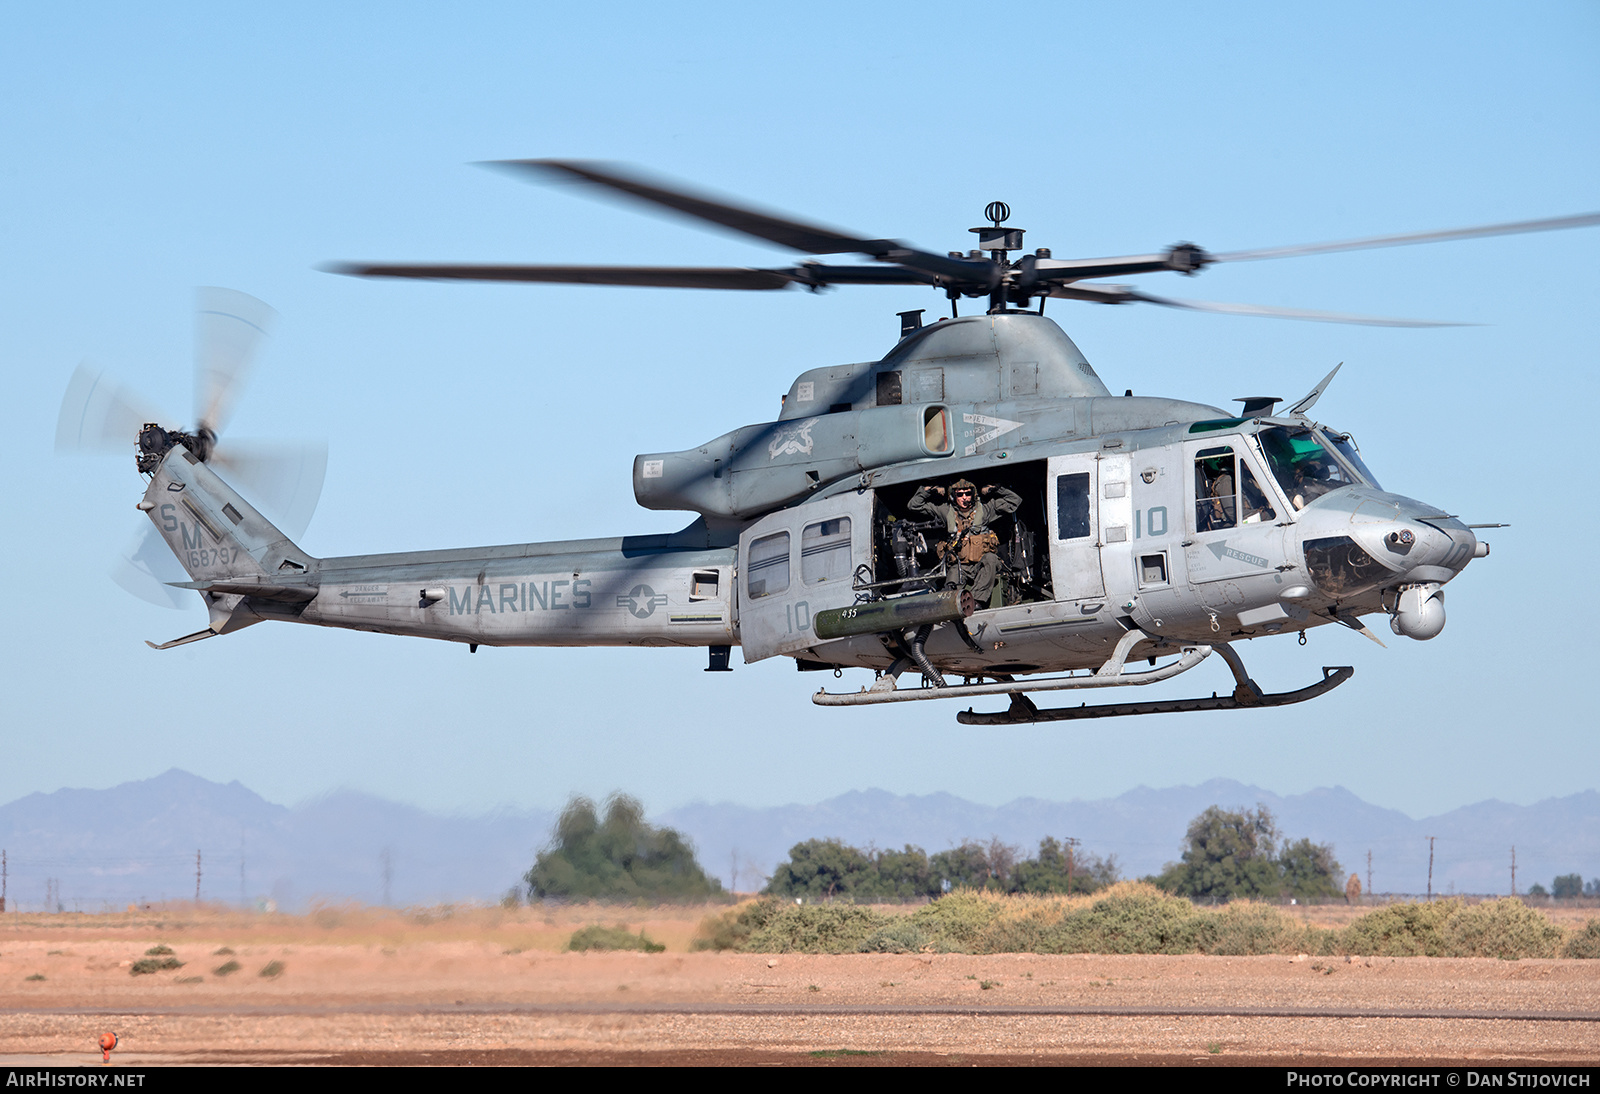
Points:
(136, 843)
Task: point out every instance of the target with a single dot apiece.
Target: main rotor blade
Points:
(281, 479)
(1184, 258)
(1126, 294)
(100, 415)
(793, 234)
(228, 329)
(1550, 224)
(784, 231)
(680, 277)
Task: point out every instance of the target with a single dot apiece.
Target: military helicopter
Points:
(1143, 529)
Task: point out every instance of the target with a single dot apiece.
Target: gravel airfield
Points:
(492, 986)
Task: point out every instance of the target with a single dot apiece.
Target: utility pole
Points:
(1430, 869)
(1369, 871)
(1072, 843)
(733, 870)
(2, 880)
(244, 899)
(1513, 869)
(197, 877)
(388, 875)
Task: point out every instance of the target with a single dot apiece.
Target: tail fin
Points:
(245, 568)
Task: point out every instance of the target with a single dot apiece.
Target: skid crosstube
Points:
(1022, 710)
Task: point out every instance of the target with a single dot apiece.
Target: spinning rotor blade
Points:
(812, 275)
(146, 567)
(1126, 294)
(793, 234)
(1550, 224)
(228, 329)
(676, 277)
(282, 479)
(100, 415)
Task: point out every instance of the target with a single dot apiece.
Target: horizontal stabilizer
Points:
(295, 594)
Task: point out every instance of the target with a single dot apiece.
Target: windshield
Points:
(1303, 467)
(1346, 446)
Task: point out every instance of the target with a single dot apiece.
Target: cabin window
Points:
(889, 388)
(1153, 569)
(1072, 506)
(1254, 504)
(936, 431)
(825, 551)
(768, 572)
(1216, 504)
(703, 585)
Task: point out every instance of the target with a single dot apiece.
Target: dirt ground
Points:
(493, 986)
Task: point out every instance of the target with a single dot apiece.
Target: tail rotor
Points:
(283, 479)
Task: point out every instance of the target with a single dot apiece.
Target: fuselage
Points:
(1139, 513)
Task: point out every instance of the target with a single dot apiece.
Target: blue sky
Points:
(148, 152)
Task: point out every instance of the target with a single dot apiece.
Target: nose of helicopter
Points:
(1358, 541)
(1416, 541)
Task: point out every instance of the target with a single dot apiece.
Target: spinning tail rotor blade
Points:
(100, 415)
(282, 479)
(228, 330)
(146, 567)
(1549, 224)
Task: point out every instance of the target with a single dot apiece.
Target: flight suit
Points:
(978, 576)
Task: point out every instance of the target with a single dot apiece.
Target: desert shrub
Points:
(158, 950)
(146, 965)
(1584, 943)
(901, 936)
(227, 968)
(1023, 925)
(223, 951)
(1400, 930)
(596, 937)
(816, 928)
(272, 970)
(1507, 929)
(730, 930)
(955, 920)
(1245, 929)
(1132, 917)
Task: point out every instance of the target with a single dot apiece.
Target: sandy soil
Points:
(491, 986)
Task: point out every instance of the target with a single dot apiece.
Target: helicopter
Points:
(1136, 528)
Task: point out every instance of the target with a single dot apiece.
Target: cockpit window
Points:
(1303, 467)
(1346, 446)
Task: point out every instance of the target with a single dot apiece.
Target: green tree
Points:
(905, 875)
(619, 857)
(1230, 855)
(1058, 869)
(824, 869)
(1309, 871)
(975, 865)
(1567, 886)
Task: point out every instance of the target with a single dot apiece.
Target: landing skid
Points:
(1022, 710)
